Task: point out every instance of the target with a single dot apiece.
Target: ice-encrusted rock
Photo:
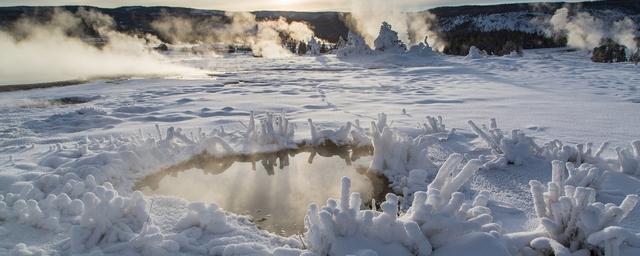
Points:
(420, 49)
(314, 46)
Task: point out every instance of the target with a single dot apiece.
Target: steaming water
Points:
(275, 189)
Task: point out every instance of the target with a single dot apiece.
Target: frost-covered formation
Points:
(395, 155)
(585, 175)
(434, 125)
(272, 134)
(629, 159)
(314, 46)
(436, 219)
(555, 150)
(573, 223)
(475, 53)
(513, 150)
(387, 40)
(355, 46)
(338, 136)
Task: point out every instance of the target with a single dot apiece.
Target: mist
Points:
(263, 37)
(584, 31)
(366, 17)
(58, 49)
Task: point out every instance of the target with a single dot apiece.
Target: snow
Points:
(67, 171)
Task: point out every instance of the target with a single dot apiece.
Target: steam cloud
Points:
(37, 52)
(366, 16)
(264, 37)
(586, 32)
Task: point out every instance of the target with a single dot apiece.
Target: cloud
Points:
(54, 50)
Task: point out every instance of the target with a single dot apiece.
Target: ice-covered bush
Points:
(356, 46)
(514, 149)
(338, 136)
(387, 40)
(574, 223)
(108, 219)
(274, 132)
(555, 150)
(629, 159)
(394, 154)
(434, 125)
(436, 218)
(585, 175)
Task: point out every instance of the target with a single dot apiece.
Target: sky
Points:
(253, 5)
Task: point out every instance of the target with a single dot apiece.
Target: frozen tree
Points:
(586, 175)
(388, 41)
(355, 46)
(313, 46)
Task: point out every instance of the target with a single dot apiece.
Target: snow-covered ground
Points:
(55, 158)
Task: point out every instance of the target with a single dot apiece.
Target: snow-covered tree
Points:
(355, 46)
(313, 46)
(514, 149)
(388, 41)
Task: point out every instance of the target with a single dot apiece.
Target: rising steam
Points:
(58, 49)
(265, 38)
(584, 31)
(367, 15)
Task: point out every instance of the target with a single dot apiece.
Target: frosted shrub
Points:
(434, 125)
(555, 150)
(273, 133)
(108, 219)
(513, 150)
(209, 218)
(394, 155)
(436, 217)
(574, 223)
(629, 159)
(387, 40)
(586, 175)
(338, 136)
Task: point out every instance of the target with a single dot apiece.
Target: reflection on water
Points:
(275, 189)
